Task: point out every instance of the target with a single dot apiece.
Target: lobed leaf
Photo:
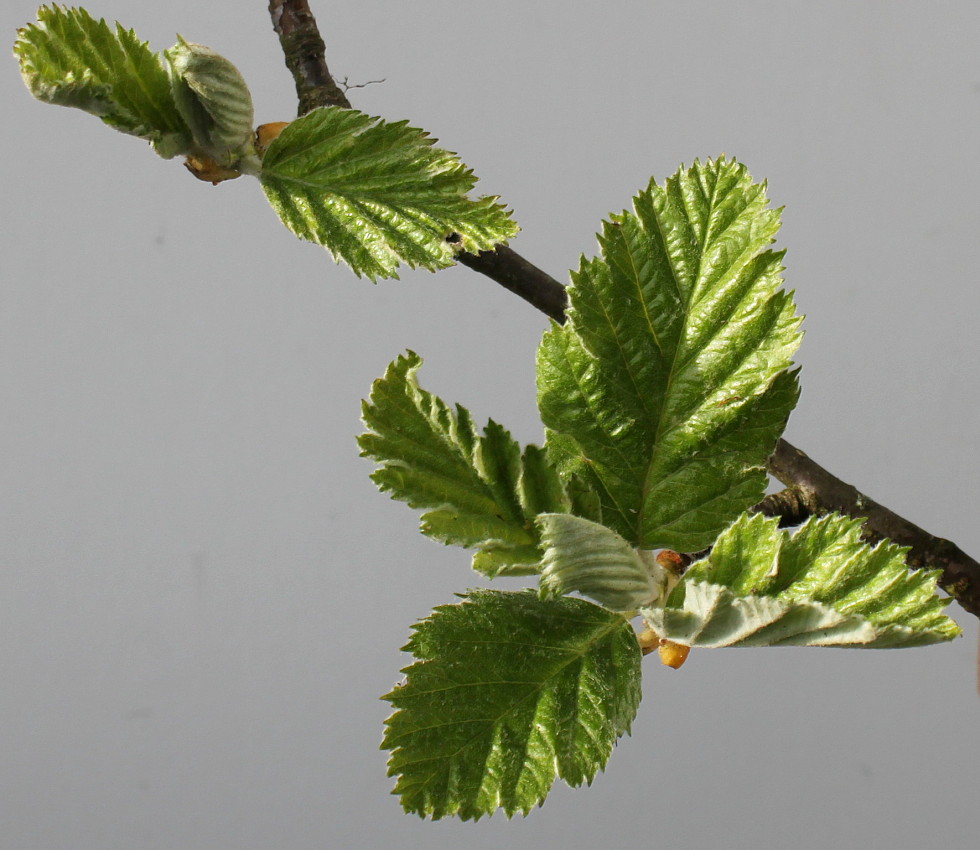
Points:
(668, 387)
(377, 194)
(819, 586)
(509, 691)
(70, 59)
(478, 491)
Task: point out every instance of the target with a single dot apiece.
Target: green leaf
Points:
(377, 194)
(70, 59)
(667, 388)
(213, 99)
(509, 691)
(820, 586)
(479, 491)
(584, 556)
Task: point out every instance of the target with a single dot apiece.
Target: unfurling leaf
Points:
(213, 99)
(478, 491)
(819, 586)
(70, 59)
(667, 388)
(507, 692)
(377, 194)
(584, 556)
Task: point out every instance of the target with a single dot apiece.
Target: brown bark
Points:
(305, 55)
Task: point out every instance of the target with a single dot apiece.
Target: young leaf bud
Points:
(213, 99)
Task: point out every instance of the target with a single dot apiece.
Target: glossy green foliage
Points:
(507, 692)
(478, 490)
(377, 194)
(667, 388)
(662, 397)
(818, 586)
(70, 59)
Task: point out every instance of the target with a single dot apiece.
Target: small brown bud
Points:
(265, 134)
(207, 169)
(672, 654)
(671, 561)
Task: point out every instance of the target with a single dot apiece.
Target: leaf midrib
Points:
(658, 435)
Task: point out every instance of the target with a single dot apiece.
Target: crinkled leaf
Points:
(70, 59)
(667, 388)
(584, 556)
(213, 99)
(478, 490)
(819, 586)
(377, 194)
(507, 692)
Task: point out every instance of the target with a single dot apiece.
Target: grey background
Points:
(202, 595)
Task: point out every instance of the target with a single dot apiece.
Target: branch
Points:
(819, 491)
(789, 505)
(305, 55)
(523, 278)
(811, 488)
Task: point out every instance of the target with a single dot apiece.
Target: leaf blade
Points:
(819, 586)
(477, 490)
(507, 692)
(675, 353)
(584, 556)
(376, 194)
(68, 58)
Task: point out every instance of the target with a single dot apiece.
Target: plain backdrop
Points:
(202, 595)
